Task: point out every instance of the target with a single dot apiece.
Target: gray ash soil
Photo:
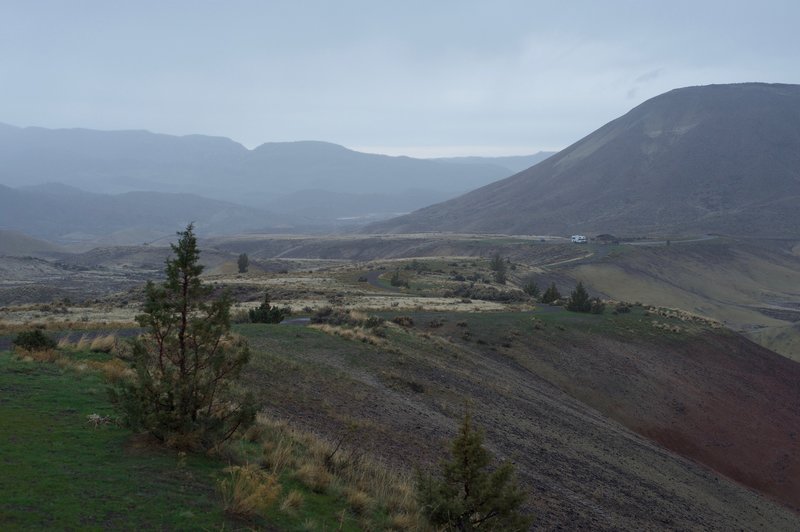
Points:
(583, 468)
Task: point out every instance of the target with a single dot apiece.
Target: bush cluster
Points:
(398, 281)
(551, 295)
(34, 340)
(266, 313)
(486, 293)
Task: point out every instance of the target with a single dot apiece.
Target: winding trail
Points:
(372, 279)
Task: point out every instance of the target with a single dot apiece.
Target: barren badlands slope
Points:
(718, 158)
(611, 420)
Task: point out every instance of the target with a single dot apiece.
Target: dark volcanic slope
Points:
(718, 158)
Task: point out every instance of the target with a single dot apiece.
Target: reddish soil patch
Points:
(716, 398)
(741, 415)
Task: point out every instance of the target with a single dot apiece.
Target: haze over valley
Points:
(540, 268)
(283, 187)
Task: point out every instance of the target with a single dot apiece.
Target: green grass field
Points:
(60, 471)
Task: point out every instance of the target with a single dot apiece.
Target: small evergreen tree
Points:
(243, 262)
(579, 300)
(266, 313)
(187, 360)
(469, 495)
(551, 294)
(498, 266)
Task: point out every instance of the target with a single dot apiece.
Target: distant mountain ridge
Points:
(216, 167)
(716, 158)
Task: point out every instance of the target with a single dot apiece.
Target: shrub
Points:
(622, 308)
(486, 293)
(321, 315)
(241, 316)
(373, 322)
(468, 494)
(334, 317)
(531, 288)
(403, 321)
(34, 340)
(551, 295)
(597, 306)
(266, 313)
(398, 281)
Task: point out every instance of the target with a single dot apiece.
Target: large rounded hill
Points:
(711, 159)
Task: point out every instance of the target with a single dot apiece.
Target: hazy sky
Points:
(423, 78)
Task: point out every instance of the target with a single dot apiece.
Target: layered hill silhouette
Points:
(710, 159)
(286, 176)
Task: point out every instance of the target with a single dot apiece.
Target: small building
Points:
(579, 239)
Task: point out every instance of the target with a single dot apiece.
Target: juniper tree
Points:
(579, 299)
(551, 294)
(243, 262)
(469, 495)
(498, 266)
(187, 361)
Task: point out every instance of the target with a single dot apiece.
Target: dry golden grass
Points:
(104, 344)
(248, 491)
(44, 355)
(314, 476)
(114, 370)
(292, 502)
(309, 524)
(406, 522)
(358, 501)
(356, 334)
(64, 343)
(279, 454)
(321, 465)
(685, 316)
(10, 324)
(84, 343)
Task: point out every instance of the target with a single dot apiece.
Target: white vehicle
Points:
(579, 239)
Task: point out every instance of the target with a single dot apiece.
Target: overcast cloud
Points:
(416, 78)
